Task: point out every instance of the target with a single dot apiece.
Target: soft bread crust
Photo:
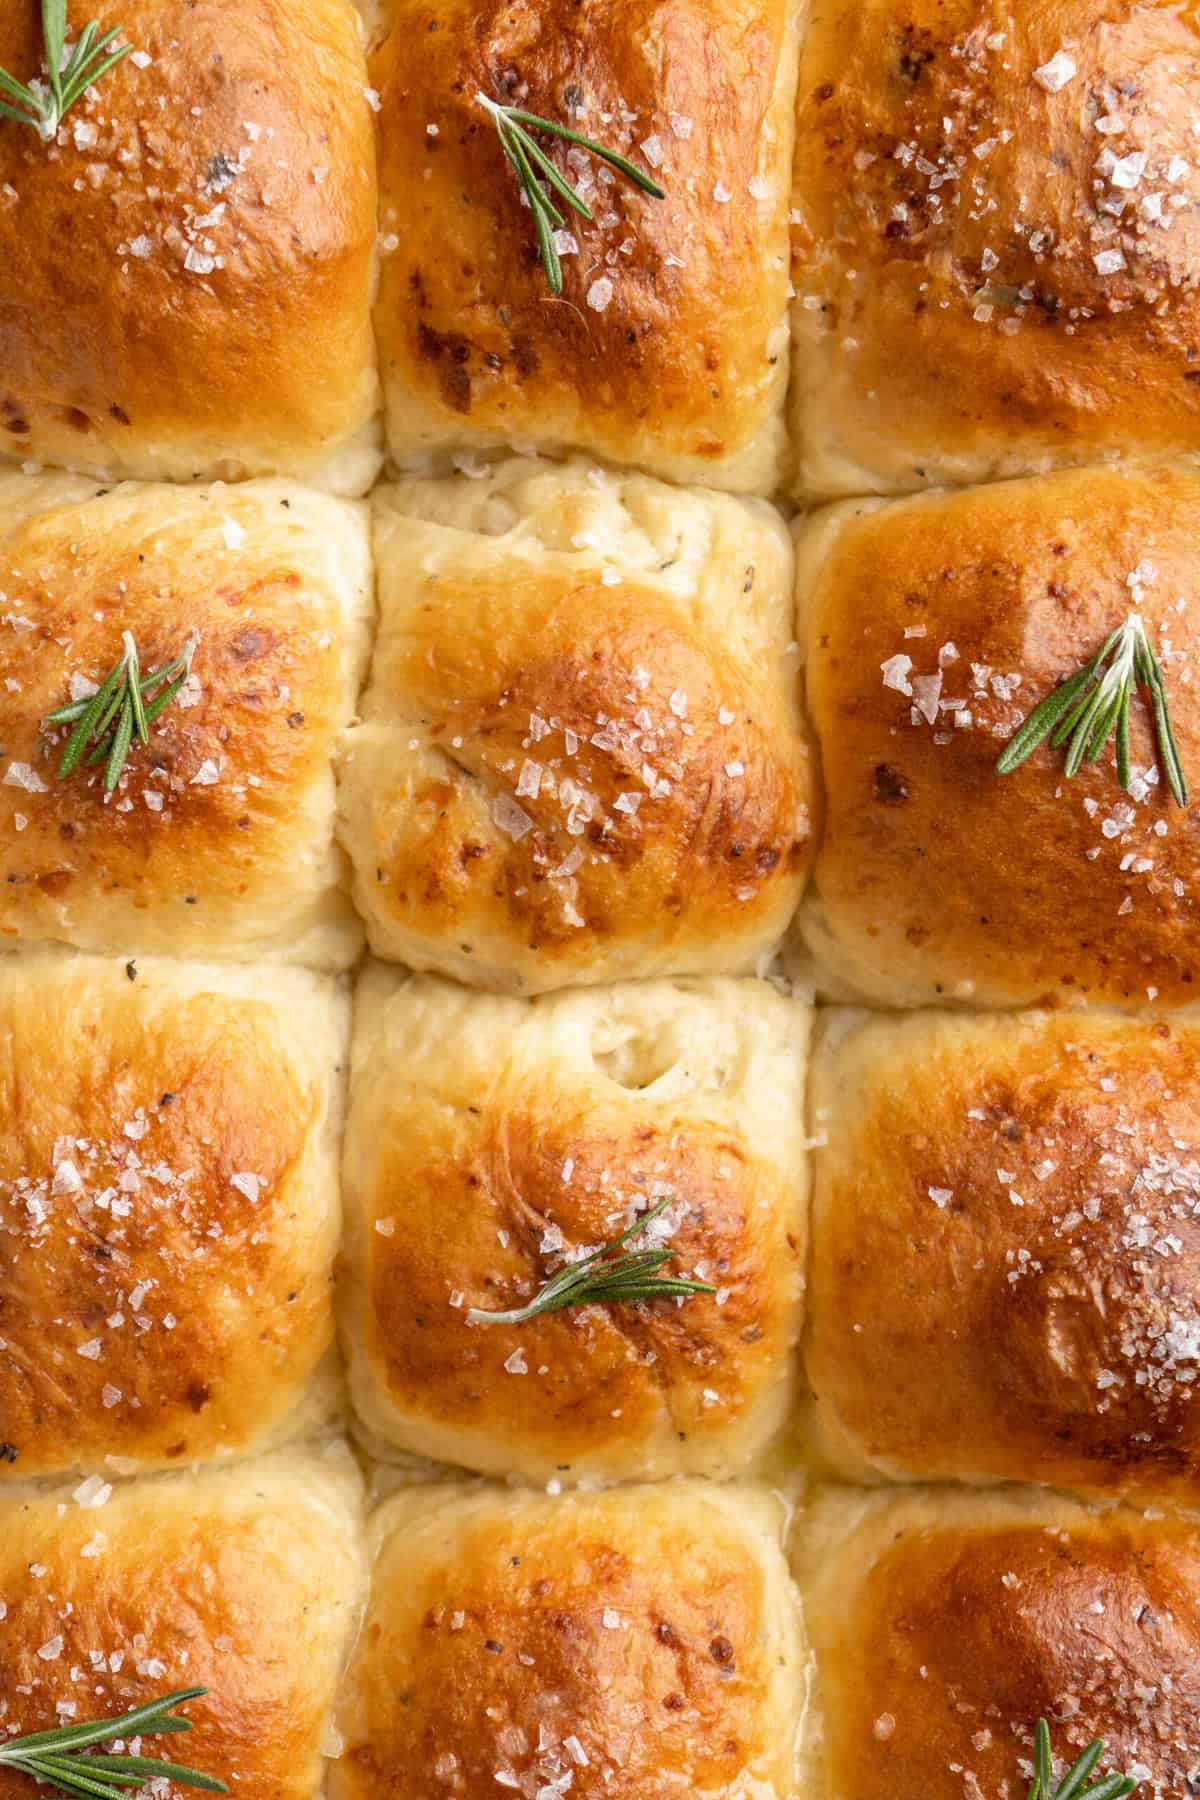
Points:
(625, 646)
(937, 878)
(1006, 1251)
(246, 1581)
(945, 1625)
(645, 1640)
(197, 301)
(678, 361)
(168, 1210)
(219, 838)
(951, 322)
(487, 1137)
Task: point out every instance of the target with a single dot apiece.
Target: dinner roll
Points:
(642, 1642)
(245, 1581)
(996, 228)
(668, 347)
(219, 837)
(490, 1140)
(1006, 1250)
(933, 628)
(168, 1210)
(945, 1625)
(185, 271)
(581, 756)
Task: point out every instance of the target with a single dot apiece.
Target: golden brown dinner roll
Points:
(642, 1642)
(1006, 1250)
(932, 628)
(168, 1210)
(945, 1625)
(491, 1140)
(219, 837)
(996, 228)
(668, 346)
(581, 756)
(185, 271)
(246, 1582)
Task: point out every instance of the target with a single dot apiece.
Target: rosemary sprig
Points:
(529, 161)
(107, 721)
(1072, 1786)
(608, 1276)
(1087, 707)
(57, 1757)
(42, 104)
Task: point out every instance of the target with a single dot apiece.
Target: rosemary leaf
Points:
(106, 722)
(58, 1757)
(531, 165)
(44, 104)
(1072, 1785)
(607, 1277)
(1086, 709)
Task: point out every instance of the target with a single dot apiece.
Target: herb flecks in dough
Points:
(59, 1757)
(531, 166)
(608, 1276)
(1085, 710)
(123, 707)
(43, 103)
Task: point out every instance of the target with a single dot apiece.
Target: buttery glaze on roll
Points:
(642, 1642)
(668, 346)
(491, 1139)
(933, 627)
(996, 228)
(245, 1581)
(185, 270)
(1006, 1251)
(945, 1625)
(219, 837)
(168, 1211)
(582, 756)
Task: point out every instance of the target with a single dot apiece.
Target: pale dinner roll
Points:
(1006, 1250)
(489, 1137)
(168, 1210)
(668, 348)
(185, 272)
(219, 838)
(932, 628)
(581, 756)
(996, 228)
(246, 1582)
(945, 1625)
(642, 1642)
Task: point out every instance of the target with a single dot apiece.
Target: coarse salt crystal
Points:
(23, 775)
(1128, 171)
(1055, 74)
(512, 819)
(896, 672)
(599, 294)
(66, 1178)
